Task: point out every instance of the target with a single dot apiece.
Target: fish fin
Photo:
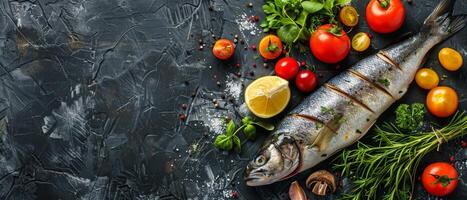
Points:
(441, 23)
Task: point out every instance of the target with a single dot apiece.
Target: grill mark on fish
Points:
(384, 56)
(338, 91)
(316, 120)
(363, 77)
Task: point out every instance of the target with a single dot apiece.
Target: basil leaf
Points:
(223, 142)
(237, 143)
(312, 6)
(343, 2)
(247, 120)
(301, 20)
(328, 4)
(264, 125)
(288, 33)
(250, 132)
(230, 127)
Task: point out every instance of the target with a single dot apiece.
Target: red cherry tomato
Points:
(385, 16)
(286, 68)
(306, 81)
(440, 178)
(223, 49)
(329, 44)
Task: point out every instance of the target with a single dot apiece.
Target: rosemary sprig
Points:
(390, 166)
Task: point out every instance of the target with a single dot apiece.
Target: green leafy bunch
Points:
(230, 139)
(295, 20)
(387, 170)
(410, 117)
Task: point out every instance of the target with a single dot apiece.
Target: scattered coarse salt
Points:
(247, 25)
(233, 88)
(215, 124)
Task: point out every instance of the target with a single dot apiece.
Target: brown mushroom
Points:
(296, 192)
(322, 180)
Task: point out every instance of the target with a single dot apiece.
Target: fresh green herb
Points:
(385, 82)
(391, 165)
(294, 20)
(272, 47)
(250, 132)
(326, 110)
(444, 180)
(230, 140)
(410, 117)
(444, 77)
(318, 126)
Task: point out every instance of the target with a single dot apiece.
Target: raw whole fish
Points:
(341, 111)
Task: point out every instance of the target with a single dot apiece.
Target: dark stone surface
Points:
(92, 93)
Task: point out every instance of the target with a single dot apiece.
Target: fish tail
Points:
(440, 22)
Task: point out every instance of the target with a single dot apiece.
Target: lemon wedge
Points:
(267, 96)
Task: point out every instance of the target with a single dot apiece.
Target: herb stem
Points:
(392, 163)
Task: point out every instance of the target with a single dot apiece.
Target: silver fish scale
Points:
(381, 73)
(335, 111)
(303, 129)
(361, 91)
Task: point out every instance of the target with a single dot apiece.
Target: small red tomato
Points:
(223, 49)
(306, 81)
(329, 44)
(286, 68)
(440, 178)
(385, 16)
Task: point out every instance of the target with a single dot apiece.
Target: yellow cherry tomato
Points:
(360, 41)
(427, 78)
(348, 16)
(442, 101)
(450, 59)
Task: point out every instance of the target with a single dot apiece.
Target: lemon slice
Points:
(267, 96)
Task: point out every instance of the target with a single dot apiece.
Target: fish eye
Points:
(260, 160)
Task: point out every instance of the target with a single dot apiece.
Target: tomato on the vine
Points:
(286, 68)
(442, 101)
(385, 16)
(223, 49)
(440, 178)
(329, 44)
(270, 47)
(306, 81)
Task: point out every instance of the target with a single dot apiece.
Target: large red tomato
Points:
(329, 43)
(440, 178)
(385, 16)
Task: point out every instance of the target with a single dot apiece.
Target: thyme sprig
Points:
(390, 166)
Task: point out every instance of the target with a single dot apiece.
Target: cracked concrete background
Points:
(121, 99)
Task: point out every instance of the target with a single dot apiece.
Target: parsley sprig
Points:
(230, 139)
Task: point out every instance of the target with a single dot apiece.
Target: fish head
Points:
(278, 159)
